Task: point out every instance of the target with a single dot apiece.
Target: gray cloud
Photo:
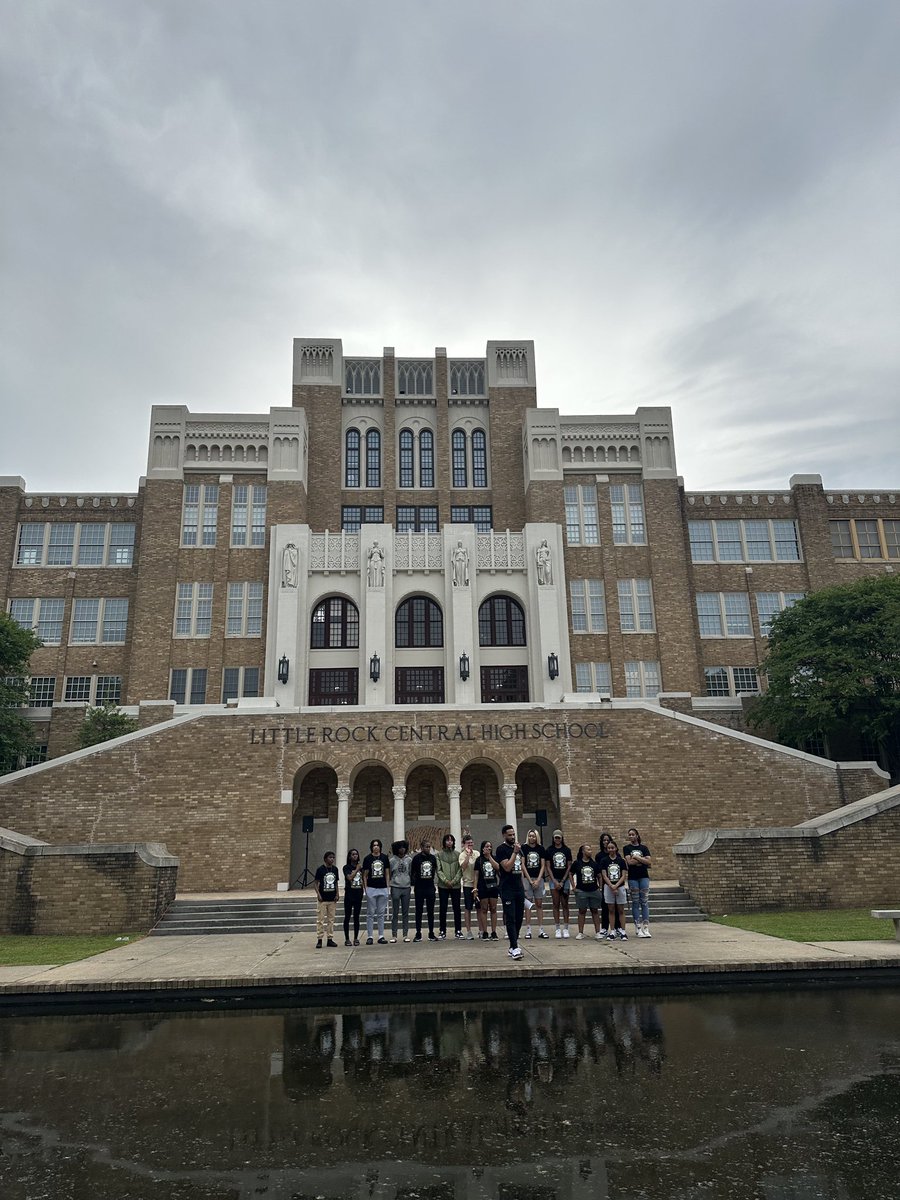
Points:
(692, 205)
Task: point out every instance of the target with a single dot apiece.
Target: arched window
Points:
(419, 623)
(426, 459)
(501, 622)
(335, 625)
(406, 459)
(351, 470)
(460, 469)
(373, 459)
(479, 459)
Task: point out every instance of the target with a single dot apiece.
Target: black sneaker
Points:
(442, 936)
(417, 938)
(332, 943)
(494, 936)
(458, 935)
(432, 938)
(348, 942)
(484, 937)
(382, 941)
(319, 944)
(370, 942)
(356, 941)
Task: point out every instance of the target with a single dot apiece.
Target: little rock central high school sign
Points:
(520, 731)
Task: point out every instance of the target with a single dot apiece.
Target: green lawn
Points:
(36, 951)
(837, 925)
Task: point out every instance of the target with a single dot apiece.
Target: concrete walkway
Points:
(267, 966)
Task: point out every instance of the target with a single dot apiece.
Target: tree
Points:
(101, 724)
(834, 664)
(16, 647)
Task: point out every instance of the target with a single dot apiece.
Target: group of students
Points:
(518, 875)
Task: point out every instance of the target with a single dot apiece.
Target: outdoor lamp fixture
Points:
(552, 666)
(374, 668)
(284, 669)
(464, 667)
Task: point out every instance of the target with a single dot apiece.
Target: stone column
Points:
(342, 841)
(509, 803)
(399, 790)
(454, 790)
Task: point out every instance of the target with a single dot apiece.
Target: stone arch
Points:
(314, 795)
(426, 788)
(537, 787)
(371, 798)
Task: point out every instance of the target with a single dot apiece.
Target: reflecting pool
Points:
(786, 1094)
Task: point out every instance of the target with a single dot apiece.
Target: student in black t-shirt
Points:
(559, 859)
(326, 885)
(487, 889)
(512, 893)
(615, 888)
(533, 881)
(423, 874)
(605, 837)
(353, 896)
(377, 880)
(637, 856)
(586, 878)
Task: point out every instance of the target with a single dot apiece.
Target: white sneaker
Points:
(579, 937)
(565, 933)
(558, 933)
(647, 931)
(517, 953)
(528, 934)
(641, 932)
(599, 937)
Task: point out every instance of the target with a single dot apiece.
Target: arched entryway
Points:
(315, 803)
(537, 791)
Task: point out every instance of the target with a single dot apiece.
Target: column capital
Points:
(509, 791)
(343, 793)
(454, 790)
(399, 791)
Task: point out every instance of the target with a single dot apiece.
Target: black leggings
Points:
(424, 897)
(352, 906)
(446, 895)
(513, 915)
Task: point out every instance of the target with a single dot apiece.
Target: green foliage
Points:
(101, 724)
(16, 647)
(836, 925)
(834, 663)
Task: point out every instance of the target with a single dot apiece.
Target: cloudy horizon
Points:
(690, 205)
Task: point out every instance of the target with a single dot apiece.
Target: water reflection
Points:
(778, 1095)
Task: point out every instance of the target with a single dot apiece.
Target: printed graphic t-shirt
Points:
(486, 877)
(614, 868)
(586, 875)
(378, 866)
(510, 881)
(353, 877)
(534, 859)
(637, 870)
(559, 858)
(327, 879)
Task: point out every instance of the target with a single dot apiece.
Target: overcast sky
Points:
(693, 204)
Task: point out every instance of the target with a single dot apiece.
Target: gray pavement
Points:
(279, 959)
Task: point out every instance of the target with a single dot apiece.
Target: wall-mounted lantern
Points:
(552, 666)
(374, 668)
(464, 667)
(284, 669)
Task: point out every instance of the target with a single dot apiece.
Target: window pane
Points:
(460, 473)
(700, 534)
(22, 611)
(351, 518)
(745, 680)
(768, 605)
(121, 545)
(728, 541)
(258, 524)
(190, 515)
(198, 685)
(41, 691)
(109, 689)
(867, 539)
(78, 688)
(426, 459)
(737, 615)
(178, 686)
(892, 539)
(479, 459)
(406, 459)
(579, 606)
(589, 515)
(757, 536)
(251, 682)
(115, 620)
(709, 614)
(254, 609)
(91, 545)
(230, 683)
(84, 622)
(717, 683)
(239, 515)
(351, 478)
(204, 610)
(787, 541)
(210, 513)
(373, 459)
(62, 544)
(841, 540)
(234, 618)
(583, 678)
(183, 609)
(31, 545)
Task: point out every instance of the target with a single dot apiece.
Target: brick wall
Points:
(851, 859)
(82, 889)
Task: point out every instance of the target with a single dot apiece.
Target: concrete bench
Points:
(892, 914)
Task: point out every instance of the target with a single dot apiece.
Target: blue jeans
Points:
(640, 894)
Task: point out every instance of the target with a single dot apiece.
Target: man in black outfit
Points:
(512, 892)
(423, 874)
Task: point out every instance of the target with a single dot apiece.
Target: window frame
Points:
(886, 537)
(513, 618)
(597, 675)
(626, 502)
(630, 605)
(38, 617)
(202, 499)
(328, 623)
(244, 608)
(103, 623)
(720, 535)
(352, 458)
(643, 669)
(721, 602)
(588, 601)
(373, 458)
(431, 623)
(110, 546)
(578, 503)
(319, 697)
(363, 516)
(199, 618)
(248, 531)
(191, 687)
(473, 514)
(240, 684)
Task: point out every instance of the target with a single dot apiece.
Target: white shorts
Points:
(617, 897)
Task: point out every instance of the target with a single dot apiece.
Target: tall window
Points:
(588, 606)
(770, 604)
(44, 616)
(200, 514)
(244, 615)
(627, 504)
(479, 459)
(642, 679)
(582, 528)
(501, 622)
(419, 623)
(593, 677)
(240, 682)
(460, 467)
(373, 459)
(354, 515)
(351, 458)
(99, 621)
(744, 541)
(335, 625)
(407, 477)
(188, 685)
(724, 614)
(193, 610)
(426, 459)
(636, 606)
(248, 515)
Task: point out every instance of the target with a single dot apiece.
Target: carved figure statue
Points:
(290, 566)
(375, 567)
(543, 557)
(460, 566)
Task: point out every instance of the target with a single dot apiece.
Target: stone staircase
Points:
(295, 912)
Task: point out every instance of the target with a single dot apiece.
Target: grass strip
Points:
(34, 950)
(835, 925)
